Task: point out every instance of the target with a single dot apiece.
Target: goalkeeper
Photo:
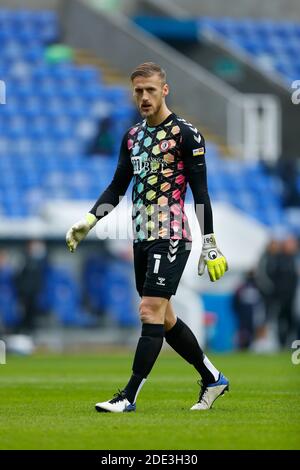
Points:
(162, 153)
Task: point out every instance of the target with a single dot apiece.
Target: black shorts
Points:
(159, 265)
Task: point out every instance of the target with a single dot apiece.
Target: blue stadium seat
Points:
(277, 41)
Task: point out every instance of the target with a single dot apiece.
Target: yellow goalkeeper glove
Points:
(212, 257)
(79, 231)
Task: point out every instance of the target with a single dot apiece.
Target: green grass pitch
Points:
(47, 402)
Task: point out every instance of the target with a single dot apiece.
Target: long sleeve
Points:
(193, 148)
(110, 197)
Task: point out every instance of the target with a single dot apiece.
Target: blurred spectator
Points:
(9, 311)
(103, 143)
(286, 291)
(94, 285)
(277, 280)
(29, 283)
(249, 308)
(4, 269)
(266, 274)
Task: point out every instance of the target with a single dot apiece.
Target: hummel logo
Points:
(161, 281)
(197, 139)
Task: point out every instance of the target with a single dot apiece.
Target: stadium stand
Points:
(249, 187)
(273, 45)
(53, 111)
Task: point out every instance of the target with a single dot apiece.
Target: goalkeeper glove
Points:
(80, 230)
(212, 257)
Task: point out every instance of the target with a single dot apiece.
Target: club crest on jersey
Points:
(164, 145)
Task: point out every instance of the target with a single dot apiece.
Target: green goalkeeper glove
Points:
(80, 230)
(212, 257)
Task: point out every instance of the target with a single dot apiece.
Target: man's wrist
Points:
(91, 219)
(209, 240)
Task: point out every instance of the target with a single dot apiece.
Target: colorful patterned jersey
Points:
(161, 160)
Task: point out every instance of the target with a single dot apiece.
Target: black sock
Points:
(148, 348)
(184, 342)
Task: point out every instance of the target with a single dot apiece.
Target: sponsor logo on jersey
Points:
(199, 151)
(137, 165)
(140, 165)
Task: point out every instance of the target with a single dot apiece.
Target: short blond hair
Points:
(147, 69)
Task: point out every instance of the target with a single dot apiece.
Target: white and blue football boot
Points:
(118, 404)
(210, 392)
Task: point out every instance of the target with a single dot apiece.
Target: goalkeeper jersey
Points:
(161, 160)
